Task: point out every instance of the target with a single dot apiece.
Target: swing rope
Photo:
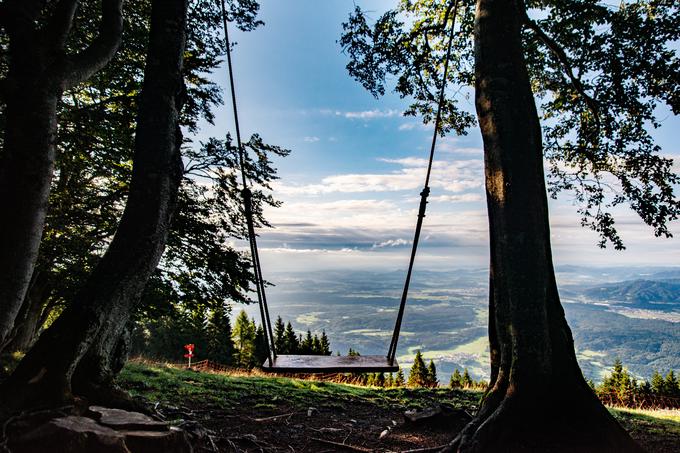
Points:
(247, 195)
(426, 190)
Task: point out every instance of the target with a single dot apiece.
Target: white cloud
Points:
(308, 251)
(464, 198)
(407, 126)
(340, 206)
(311, 139)
(362, 114)
(456, 176)
(391, 243)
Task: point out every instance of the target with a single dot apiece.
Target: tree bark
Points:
(30, 317)
(537, 399)
(39, 71)
(101, 309)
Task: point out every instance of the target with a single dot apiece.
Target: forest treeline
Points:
(620, 388)
(241, 346)
(420, 375)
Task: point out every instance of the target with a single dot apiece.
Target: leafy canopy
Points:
(603, 76)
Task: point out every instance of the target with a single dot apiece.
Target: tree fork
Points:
(103, 305)
(39, 72)
(537, 399)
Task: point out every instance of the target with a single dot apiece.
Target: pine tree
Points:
(399, 379)
(316, 346)
(456, 381)
(352, 353)
(279, 336)
(646, 388)
(325, 344)
(466, 381)
(220, 343)
(290, 341)
(260, 353)
(244, 337)
(195, 330)
(307, 344)
(389, 381)
(671, 384)
(418, 375)
(379, 380)
(658, 384)
(432, 380)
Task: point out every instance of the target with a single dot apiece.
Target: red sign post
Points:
(190, 352)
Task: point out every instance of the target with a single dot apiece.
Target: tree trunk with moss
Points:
(92, 324)
(538, 399)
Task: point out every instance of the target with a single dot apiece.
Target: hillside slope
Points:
(261, 413)
(639, 292)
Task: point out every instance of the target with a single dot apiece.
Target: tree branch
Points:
(60, 23)
(86, 63)
(591, 103)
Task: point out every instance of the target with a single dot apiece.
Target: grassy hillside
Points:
(261, 413)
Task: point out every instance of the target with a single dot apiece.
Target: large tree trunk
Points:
(538, 399)
(30, 317)
(102, 308)
(25, 174)
(39, 72)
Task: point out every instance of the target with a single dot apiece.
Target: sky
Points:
(350, 188)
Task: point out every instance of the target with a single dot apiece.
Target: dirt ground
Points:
(361, 427)
(233, 413)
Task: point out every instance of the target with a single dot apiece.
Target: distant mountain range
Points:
(638, 292)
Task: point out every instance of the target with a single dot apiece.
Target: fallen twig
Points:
(338, 444)
(426, 449)
(273, 417)
(328, 430)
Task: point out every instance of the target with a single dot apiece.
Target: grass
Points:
(662, 421)
(255, 395)
(173, 386)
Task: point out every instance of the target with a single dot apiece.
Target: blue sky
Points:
(350, 187)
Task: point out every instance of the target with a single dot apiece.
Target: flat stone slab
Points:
(125, 420)
(174, 440)
(71, 434)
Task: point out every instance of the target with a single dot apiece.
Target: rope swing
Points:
(332, 364)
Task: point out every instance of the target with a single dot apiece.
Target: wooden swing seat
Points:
(311, 364)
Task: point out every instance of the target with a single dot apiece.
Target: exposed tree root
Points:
(539, 422)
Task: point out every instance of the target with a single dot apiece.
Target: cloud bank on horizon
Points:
(350, 189)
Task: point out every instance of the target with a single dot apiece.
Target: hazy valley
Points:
(627, 313)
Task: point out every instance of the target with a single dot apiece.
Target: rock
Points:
(114, 431)
(419, 415)
(312, 411)
(124, 420)
(196, 431)
(174, 440)
(71, 434)
(441, 416)
(384, 433)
